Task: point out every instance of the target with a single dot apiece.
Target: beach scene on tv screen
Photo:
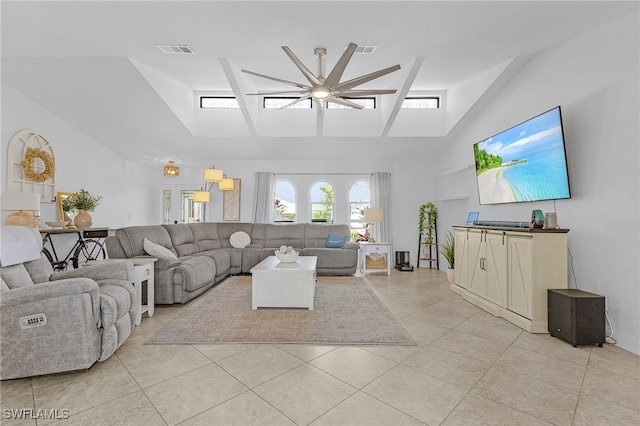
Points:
(524, 163)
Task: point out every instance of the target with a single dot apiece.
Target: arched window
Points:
(285, 202)
(359, 198)
(322, 202)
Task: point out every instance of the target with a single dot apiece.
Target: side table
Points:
(142, 271)
(381, 248)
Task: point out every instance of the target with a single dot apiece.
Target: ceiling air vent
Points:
(182, 50)
(365, 50)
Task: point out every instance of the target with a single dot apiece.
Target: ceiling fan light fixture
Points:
(320, 92)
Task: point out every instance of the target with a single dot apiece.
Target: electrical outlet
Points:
(32, 321)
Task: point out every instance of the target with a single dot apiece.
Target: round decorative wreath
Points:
(27, 165)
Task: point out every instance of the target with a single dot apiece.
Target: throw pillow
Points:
(335, 241)
(156, 250)
(239, 239)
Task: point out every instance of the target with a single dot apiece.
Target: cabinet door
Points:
(495, 268)
(477, 278)
(462, 258)
(520, 279)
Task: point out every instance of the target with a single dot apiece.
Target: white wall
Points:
(595, 80)
(81, 162)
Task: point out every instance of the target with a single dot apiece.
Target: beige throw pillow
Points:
(156, 250)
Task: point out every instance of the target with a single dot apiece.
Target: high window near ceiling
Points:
(322, 202)
(276, 102)
(421, 102)
(218, 102)
(359, 198)
(284, 203)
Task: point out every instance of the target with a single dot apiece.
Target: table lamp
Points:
(371, 217)
(26, 208)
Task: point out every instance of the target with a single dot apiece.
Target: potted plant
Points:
(447, 248)
(429, 214)
(83, 202)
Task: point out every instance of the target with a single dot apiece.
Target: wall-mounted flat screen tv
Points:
(524, 163)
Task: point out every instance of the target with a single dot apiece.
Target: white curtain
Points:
(381, 199)
(264, 197)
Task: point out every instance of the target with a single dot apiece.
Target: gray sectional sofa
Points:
(203, 254)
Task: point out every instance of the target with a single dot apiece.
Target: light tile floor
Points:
(468, 368)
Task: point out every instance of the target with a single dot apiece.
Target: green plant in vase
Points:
(82, 200)
(429, 214)
(447, 248)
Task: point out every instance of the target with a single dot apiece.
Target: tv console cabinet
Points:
(507, 271)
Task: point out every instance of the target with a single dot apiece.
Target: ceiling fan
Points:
(328, 89)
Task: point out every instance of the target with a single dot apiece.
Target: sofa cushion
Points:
(329, 258)
(222, 259)
(40, 270)
(335, 241)
(156, 250)
(205, 235)
(194, 272)
(226, 229)
(3, 285)
(132, 238)
(182, 239)
(282, 235)
(16, 276)
(315, 234)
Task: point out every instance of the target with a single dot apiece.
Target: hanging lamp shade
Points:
(213, 175)
(226, 184)
(171, 170)
(201, 196)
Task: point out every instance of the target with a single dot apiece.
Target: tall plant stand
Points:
(428, 247)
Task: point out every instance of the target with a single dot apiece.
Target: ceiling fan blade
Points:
(373, 92)
(344, 102)
(285, 92)
(312, 78)
(336, 73)
(300, 99)
(363, 79)
(292, 83)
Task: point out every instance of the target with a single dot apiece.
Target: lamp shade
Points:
(373, 215)
(201, 196)
(213, 175)
(226, 184)
(16, 201)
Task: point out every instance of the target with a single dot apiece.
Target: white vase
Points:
(451, 275)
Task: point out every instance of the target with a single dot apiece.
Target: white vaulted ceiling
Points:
(95, 64)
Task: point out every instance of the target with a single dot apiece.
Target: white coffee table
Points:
(275, 284)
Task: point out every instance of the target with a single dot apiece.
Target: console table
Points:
(507, 271)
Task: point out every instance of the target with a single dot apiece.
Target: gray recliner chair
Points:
(65, 321)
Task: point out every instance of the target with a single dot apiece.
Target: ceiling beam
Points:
(402, 93)
(239, 95)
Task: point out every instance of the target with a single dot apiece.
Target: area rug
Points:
(346, 311)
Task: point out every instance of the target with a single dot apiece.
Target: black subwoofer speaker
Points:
(576, 316)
